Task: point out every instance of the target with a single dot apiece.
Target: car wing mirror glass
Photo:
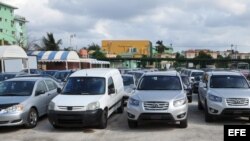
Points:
(39, 92)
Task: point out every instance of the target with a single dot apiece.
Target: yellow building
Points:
(127, 48)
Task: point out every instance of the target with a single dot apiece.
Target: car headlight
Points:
(180, 102)
(134, 102)
(15, 108)
(93, 106)
(51, 106)
(214, 98)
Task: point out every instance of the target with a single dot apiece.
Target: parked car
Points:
(159, 96)
(88, 98)
(50, 72)
(188, 86)
(224, 94)
(129, 85)
(137, 75)
(195, 78)
(62, 75)
(32, 71)
(23, 100)
(9, 75)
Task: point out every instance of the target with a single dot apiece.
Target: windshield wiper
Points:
(85, 93)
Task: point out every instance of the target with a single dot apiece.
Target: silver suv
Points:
(159, 96)
(224, 94)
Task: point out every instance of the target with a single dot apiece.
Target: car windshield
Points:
(194, 74)
(228, 81)
(50, 72)
(185, 80)
(84, 86)
(61, 75)
(160, 83)
(127, 80)
(16, 88)
(6, 76)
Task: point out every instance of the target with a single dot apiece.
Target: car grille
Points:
(237, 101)
(71, 108)
(156, 105)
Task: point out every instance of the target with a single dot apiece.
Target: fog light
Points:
(213, 110)
(131, 115)
(181, 115)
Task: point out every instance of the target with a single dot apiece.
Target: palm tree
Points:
(49, 43)
(160, 48)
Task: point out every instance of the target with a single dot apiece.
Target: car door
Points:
(52, 90)
(41, 97)
(111, 95)
(203, 88)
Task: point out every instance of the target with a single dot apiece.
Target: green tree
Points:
(98, 55)
(94, 47)
(49, 43)
(160, 47)
(203, 55)
(178, 63)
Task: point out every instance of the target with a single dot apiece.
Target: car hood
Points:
(158, 95)
(231, 93)
(12, 99)
(75, 100)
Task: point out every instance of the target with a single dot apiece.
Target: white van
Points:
(88, 98)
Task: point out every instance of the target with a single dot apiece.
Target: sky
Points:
(186, 24)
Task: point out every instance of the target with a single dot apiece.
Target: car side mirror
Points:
(59, 90)
(111, 91)
(40, 92)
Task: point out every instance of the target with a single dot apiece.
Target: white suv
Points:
(159, 96)
(224, 94)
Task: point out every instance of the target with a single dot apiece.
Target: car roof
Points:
(225, 73)
(129, 75)
(94, 72)
(25, 78)
(169, 73)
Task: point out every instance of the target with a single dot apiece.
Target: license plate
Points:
(155, 117)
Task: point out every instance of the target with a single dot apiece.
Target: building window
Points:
(0, 19)
(6, 20)
(13, 32)
(1, 30)
(21, 34)
(132, 50)
(20, 24)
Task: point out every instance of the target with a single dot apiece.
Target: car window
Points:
(51, 85)
(41, 87)
(127, 80)
(160, 83)
(111, 83)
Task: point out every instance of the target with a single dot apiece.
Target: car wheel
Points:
(208, 117)
(104, 120)
(56, 126)
(183, 123)
(121, 108)
(32, 119)
(199, 103)
(132, 123)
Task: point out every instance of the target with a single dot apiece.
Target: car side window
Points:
(41, 87)
(111, 83)
(51, 85)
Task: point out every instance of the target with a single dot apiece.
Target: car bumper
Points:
(12, 119)
(221, 109)
(75, 118)
(172, 114)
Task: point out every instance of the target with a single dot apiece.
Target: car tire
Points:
(104, 120)
(121, 108)
(183, 124)
(32, 119)
(208, 117)
(132, 124)
(56, 126)
(199, 103)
